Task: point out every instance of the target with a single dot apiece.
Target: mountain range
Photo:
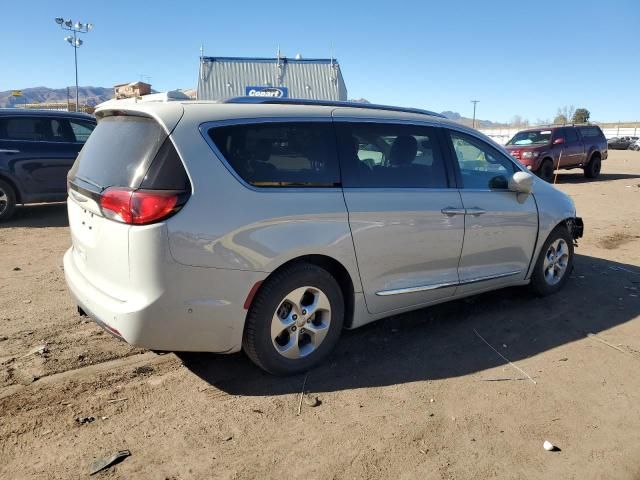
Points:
(87, 95)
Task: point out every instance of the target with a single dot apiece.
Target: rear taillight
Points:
(140, 207)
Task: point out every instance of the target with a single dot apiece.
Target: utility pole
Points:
(474, 111)
(75, 42)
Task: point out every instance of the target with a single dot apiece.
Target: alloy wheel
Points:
(556, 261)
(301, 322)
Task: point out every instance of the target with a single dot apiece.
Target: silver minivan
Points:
(269, 225)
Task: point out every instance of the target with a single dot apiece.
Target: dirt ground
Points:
(413, 396)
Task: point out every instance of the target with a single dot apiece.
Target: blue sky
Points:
(517, 57)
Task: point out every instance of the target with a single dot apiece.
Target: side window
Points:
(81, 130)
(481, 166)
(60, 131)
(571, 135)
(23, 128)
(390, 155)
(299, 154)
(590, 132)
(560, 133)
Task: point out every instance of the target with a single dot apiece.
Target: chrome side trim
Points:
(490, 277)
(425, 288)
(422, 288)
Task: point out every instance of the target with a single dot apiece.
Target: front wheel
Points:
(295, 320)
(545, 172)
(554, 264)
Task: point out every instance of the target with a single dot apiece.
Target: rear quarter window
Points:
(292, 154)
(591, 132)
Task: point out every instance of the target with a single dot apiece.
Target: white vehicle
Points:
(270, 225)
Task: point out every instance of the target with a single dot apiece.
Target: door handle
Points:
(4, 150)
(475, 211)
(452, 211)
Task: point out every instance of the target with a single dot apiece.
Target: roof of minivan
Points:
(43, 113)
(197, 112)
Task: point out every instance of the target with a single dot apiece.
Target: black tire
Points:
(7, 201)
(257, 340)
(545, 172)
(539, 282)
(592, 170)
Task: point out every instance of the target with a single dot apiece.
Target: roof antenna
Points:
(331, 53)
(332, 76)
(201, 69)
(279, 67)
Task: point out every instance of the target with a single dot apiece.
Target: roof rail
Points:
(556, 125)
(328, 103)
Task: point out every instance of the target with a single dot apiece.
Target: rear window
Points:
(301, 154)
(119, 152)
(590, 132)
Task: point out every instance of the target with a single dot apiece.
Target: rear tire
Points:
(295, 320)
(545, 172)
(554, 264)
(7, 201)
(592, 170)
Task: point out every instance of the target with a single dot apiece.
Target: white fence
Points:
(502, 135)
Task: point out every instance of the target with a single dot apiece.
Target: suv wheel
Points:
(295, 320)
(592, 170)
(554, 264)
(7, 201)
(545, 172)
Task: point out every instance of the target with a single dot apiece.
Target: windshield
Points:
(531, 137)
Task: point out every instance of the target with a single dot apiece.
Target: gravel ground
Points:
(413, 396)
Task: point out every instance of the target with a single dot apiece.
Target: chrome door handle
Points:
(475, 211)
(451, 211)
(3, 150)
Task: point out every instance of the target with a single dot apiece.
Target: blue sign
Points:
(273, 92)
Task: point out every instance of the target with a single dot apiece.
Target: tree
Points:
(560, 119)
(567, 112)
(518, 121)
(581, 115)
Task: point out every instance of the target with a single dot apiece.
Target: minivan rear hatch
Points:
(128, 164)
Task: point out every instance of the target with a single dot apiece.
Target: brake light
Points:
(138, 207)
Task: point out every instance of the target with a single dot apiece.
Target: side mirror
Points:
(521, 182)
(558, 141)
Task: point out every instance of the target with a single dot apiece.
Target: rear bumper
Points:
(188, 309)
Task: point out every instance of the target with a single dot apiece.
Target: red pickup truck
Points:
(543, 150)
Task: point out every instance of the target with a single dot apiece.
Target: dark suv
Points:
(37, 149)
(543, 150)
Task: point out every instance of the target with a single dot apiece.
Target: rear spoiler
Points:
(163, 97)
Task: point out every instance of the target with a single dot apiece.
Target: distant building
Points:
(133, 89)
(60, 106)
(312, 78)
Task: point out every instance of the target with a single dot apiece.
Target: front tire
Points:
(592, 170)
(554, 263)
(545, 172)
(295, 320)
(7, 201)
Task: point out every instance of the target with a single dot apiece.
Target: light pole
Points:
(474, 111)
(74, 41)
